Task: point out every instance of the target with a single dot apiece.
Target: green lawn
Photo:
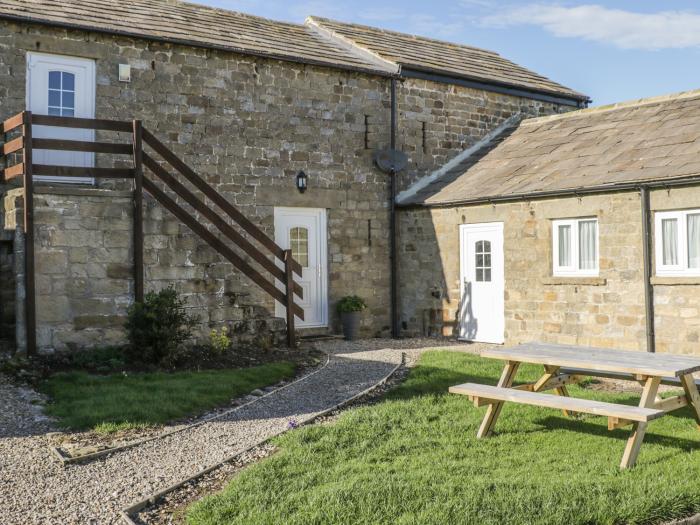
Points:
(414, 459)
(122, 401)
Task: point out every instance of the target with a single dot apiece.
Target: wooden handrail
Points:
(13, 123)
(218, 245)
(27, 169)
(82, 123)
(217, 221)
(217, 198)
(79, 145)
(73, 171)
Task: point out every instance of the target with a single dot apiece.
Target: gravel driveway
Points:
(36, 489)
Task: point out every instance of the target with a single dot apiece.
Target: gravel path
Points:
(36, 489)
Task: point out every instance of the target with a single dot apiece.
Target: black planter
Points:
(351, 324)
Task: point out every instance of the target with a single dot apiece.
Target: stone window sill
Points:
(675, 281)
(577, 281)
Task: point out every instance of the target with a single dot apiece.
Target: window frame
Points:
(682, 269)
(574, 269)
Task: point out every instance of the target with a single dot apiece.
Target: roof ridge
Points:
(647, 101)
(312, 24)
(320, 19)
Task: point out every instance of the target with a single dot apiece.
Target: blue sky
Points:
(612, 51)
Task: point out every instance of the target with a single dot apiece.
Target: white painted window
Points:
(575, 247)
(677, 242)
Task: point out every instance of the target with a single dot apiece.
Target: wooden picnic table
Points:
(565, 364)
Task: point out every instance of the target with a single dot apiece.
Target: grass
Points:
(414, 459)
(109, 403)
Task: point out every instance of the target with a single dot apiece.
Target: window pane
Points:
(669, 234)
(68, 99)
(479, 274)
(54, 97)
(54, 80)
(68, 82)
(67, 112)
(487, 275)
(55, 111)
(479, 246)
(694, 240)
(299, 244)
(587, 252)
(479, 260)
(564, 245)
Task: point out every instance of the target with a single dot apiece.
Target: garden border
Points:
(66, 460)
(128, 512)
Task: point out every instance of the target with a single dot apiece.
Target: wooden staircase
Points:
(273, 264)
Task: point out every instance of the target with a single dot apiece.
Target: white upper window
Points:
(678, 243)
(575, 247)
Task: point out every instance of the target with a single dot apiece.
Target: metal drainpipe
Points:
(393, 252)
(647, 251)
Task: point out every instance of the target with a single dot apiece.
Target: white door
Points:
(482, 277)
(61, 86)
(303, 230)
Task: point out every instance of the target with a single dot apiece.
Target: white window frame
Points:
(674, 270)
(574, 270)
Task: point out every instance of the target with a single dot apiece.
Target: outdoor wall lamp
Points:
(301, 181)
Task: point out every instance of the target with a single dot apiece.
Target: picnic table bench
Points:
(565, 364)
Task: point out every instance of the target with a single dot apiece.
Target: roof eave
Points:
(197, 44)
(578, 100)
(567, 192)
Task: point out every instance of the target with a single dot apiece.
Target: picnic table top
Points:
(599, 359)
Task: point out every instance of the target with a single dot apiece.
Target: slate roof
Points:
(193, 24)
(435, 56)
(319, 41)
(656, 139)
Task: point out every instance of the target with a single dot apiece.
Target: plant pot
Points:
(351, 324)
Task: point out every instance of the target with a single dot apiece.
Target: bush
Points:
(157, 327)
(351, 303)
(220, 341)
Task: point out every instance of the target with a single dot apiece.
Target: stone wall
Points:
(84, 280)
(247, 125)
(607, 311)
(438, 121)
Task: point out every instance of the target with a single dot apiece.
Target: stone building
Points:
(581, 228)
(248, 103)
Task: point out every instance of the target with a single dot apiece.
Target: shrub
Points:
(158, 326)
(351, 303)
(220, 341)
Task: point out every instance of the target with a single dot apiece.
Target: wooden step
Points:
(494, 394)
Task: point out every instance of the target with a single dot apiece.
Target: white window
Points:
(575, 247)
(678, 243)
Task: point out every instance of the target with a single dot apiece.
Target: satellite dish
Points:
(390, 160)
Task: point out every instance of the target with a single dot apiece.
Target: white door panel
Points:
(303, 230)
(482, 283)
(61, 86)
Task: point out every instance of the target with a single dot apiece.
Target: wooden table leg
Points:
(552, 371)
(494, 409)
(651, 386)
(692, 395)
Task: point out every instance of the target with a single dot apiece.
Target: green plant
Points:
(158, 326)
(351, 303)
(108, 403)
(413, 458)
(219, 339)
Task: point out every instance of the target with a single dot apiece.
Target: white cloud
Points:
(624, 29)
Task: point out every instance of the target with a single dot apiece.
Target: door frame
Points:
(322, 247)
(33, 58)
(498, 227)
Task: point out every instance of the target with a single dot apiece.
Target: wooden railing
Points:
(18, 154)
